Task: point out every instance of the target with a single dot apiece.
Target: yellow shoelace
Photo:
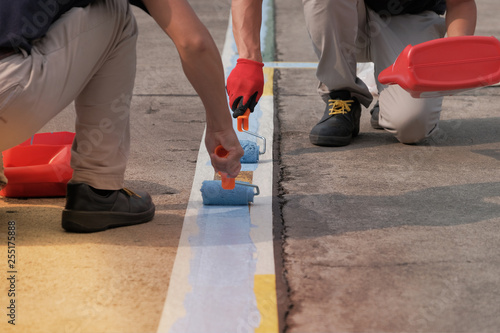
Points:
(338, 106)
(131, 193)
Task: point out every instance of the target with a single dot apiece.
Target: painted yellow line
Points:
(265, 293)
(269, 81)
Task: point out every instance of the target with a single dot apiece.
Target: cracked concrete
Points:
(384, 237)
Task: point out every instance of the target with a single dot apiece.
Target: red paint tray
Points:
(446, 66)
(39, 167)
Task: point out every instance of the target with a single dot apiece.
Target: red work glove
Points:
(245, 85)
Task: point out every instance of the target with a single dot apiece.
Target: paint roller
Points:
(251, 149)
(213, 193)
(227, 191)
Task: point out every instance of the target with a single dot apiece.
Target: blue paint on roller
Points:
(251, 151)
(213, 194)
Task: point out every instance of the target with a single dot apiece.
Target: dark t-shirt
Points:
(398, 7)
(23, 21)
(139, 4)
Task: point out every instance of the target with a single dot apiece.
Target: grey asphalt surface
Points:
(376, 236)
(379, 236)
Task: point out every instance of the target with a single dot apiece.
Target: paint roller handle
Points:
(243, 121)
(227, 183)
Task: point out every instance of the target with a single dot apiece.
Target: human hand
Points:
(245, 86)
(229, 165)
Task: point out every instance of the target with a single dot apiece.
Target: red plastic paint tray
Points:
(446, 66)
(39, 167)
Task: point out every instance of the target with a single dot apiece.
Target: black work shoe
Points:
(374, 117)
(340, 122)
(87, 211)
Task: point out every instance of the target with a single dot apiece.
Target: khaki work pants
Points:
(344, 32)
(88, 56)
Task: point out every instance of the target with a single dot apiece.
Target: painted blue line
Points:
(222, 273)
(222, 256)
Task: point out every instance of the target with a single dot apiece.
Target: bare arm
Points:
(245, 83)
(247, 18)
(202, 66)
(461, 17)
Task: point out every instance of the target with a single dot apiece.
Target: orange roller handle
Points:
(243, 121)
(227, 183)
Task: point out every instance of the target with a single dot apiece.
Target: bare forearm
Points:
(205, 73)
(199, 56)
(461, 17)
(247, 18)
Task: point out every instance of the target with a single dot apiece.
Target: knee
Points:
(409, 119)
(411, 125)
(413, 130)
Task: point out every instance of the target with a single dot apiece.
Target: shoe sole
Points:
(330, 141)
(85, 221)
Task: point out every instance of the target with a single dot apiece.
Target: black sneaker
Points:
(340, 123)
(87, 211)
(374, 116)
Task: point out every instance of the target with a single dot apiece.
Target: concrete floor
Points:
(373, 237)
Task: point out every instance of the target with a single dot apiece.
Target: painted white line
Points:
(223, 277)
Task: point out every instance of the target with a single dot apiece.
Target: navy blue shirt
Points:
(23, 21)
(139, 4)
(398, 7)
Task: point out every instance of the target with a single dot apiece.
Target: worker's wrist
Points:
(249, 62)
(256, 57)
(220, 125)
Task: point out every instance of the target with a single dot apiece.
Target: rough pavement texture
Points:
(381, 236)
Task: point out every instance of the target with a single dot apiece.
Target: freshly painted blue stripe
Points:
(222, 273)
(223, 260)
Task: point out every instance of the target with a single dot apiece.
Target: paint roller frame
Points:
(243, 125)
(230, 183)
(213, 194)
(255, 187)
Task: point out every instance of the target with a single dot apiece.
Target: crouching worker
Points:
(55, 52)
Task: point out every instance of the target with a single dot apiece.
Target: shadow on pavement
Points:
(334, 213)
(38, 222)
